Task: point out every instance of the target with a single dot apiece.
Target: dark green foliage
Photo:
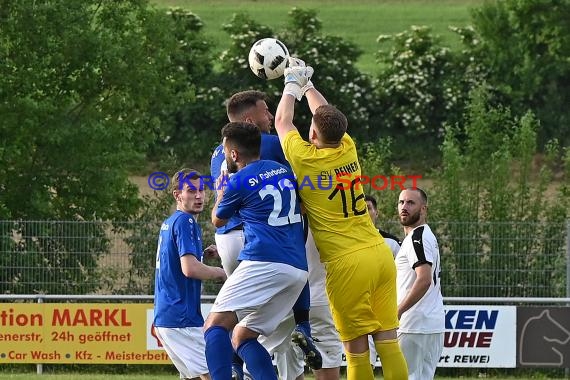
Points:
(78, 89)
(332, 58)
(81, 91)
(421, 88)
(143, 239)
(191, 126)
(496, 229)
(336, 75)
(524, 47)
(416, 87)
(90, 89)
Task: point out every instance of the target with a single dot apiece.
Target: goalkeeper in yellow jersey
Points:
(361, 274)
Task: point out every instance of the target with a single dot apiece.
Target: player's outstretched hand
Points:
(294, 61)
(297, 77)
(221, 183)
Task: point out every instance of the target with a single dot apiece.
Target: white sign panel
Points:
(479, 336)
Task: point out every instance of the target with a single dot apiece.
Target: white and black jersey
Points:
(427, 315)
(393, 241)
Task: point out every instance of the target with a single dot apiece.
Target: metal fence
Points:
(479, 259)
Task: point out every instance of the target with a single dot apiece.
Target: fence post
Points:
(40, 366)
(567, 370)
(568, 258)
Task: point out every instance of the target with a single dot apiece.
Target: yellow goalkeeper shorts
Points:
(361, 287)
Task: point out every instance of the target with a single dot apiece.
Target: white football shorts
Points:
(229, 246)
(422, 353)
(288, 357)
(326, 337)
(261, 294)
(186, 348)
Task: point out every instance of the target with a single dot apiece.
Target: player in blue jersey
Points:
(273, 263)
(251, 106)
(246, 106)
(178, 319)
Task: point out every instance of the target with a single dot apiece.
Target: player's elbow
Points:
(190, 267)
(217, 222)
(189, 272)
(278, 125)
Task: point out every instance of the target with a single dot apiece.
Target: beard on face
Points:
(411, 219)
(232, 165)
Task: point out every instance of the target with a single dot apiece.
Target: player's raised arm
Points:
(297, 76)
(314, 97)
(284, 115)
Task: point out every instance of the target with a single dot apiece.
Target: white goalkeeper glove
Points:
(294, 61)
(307, 87)
(296, 79)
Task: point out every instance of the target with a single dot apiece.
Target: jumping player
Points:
(273, 263)
(350, 247)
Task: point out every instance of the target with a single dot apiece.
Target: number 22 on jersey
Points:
(278, 203)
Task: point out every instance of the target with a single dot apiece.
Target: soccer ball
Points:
(268, 58)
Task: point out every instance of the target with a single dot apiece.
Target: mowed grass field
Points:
(360, 22)
(160, 377)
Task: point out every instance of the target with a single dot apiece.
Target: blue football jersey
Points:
(177, 297)
(264, 196)
(270, 150)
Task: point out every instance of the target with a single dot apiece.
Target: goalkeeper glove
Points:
(307, 87)
(293, 61)
(296, 79)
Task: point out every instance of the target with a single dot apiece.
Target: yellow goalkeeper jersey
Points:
(328, 184)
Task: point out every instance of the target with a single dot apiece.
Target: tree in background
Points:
(91, 89)
(421, 87)
(524, 47)
(333, 59)
(190, 129)
(336, 74)
(83, 89)
(489, 208)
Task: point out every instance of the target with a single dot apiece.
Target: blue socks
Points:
(257, 360)
(219, 353)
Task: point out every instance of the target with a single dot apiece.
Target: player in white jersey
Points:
(420, 302)
(393, 242)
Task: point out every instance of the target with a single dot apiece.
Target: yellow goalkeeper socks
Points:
(358, 366)
(394, 365)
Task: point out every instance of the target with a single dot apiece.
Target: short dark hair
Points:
(331, 123)
(244, 137)
(243, 101)
(371, 199)
(423, 194)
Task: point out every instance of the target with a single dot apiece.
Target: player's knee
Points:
(241, 334)
(226, 320)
